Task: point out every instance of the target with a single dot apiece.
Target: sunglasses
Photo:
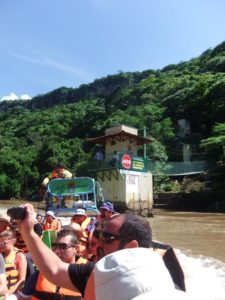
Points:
(61, 246)
(108, 238)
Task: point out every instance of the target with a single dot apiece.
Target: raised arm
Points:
(44, 258)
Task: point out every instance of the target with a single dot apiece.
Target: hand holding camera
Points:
(17, 213)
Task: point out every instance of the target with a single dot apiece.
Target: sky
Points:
(47, 44)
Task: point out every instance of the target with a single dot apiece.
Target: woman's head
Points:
(39, 218)
(4, 222)
(7, 240)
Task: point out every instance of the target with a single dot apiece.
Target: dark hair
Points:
(68, 231)
(136, 228)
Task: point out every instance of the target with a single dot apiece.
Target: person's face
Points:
(78, 219)
(49, 218)
(65, 249)
(105, 214)
(6, 244)
(112, 227)
(39, 218)
(3, 225)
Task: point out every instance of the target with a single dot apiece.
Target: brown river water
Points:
(196, 233)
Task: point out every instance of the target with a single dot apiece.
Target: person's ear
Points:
(131, 244)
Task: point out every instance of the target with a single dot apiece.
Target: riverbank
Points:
(198, 202)
(5, 204)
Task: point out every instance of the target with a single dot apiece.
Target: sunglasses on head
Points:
(61, 246)
(107, 237)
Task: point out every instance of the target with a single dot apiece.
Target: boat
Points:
(65, 195)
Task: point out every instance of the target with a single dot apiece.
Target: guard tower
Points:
(122, 174)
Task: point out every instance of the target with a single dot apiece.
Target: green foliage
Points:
(54, 128)
(189, 186)
(215, 144)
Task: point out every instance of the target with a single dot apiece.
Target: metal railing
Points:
(159, 168)
(178, 168)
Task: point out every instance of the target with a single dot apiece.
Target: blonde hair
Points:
(11, 234)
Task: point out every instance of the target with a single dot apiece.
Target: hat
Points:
(80, 212)
(137, 273)
(108, 206)
(50, 213)
(4, 217)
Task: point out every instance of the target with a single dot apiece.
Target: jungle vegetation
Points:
(54, 128)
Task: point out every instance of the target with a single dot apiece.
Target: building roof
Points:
(120, 137)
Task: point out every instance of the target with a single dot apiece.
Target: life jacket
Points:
(81, 260)
(20, 244)
(84, 226)
(11, 267)
(52, 226)
(47, 290)
(83, 246)
(85, 223)
(54, 174)
(171, 262)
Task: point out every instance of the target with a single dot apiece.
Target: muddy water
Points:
(196, 233)
(199, 239)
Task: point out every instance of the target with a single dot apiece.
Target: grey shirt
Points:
(2, 265)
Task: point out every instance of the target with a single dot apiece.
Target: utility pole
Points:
(144, 135)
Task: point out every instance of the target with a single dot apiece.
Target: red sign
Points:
(126, 161)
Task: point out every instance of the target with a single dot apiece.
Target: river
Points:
(199, 242)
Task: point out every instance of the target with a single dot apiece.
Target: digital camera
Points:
(17, 213)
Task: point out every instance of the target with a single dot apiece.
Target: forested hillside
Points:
(53, 128)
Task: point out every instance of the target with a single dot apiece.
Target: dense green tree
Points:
(54, 128)
(215, 144)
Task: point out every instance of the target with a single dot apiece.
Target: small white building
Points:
(122, 174)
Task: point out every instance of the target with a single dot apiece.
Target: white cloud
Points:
(11, 96)
(25, 97)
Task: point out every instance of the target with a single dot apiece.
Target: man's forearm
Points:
(48, 263)
(44, 258)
